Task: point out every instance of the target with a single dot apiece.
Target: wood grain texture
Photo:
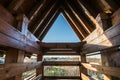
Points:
(13, 69)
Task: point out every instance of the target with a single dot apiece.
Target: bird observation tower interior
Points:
(59, 39)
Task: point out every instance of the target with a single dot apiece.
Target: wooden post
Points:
(14, 56)
(109, 60)
(105, 62)
(39, 70)
(83, 70)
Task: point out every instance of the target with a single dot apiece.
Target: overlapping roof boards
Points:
(43, 13)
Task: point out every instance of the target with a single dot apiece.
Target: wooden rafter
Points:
(15, 5)
(78, 18)
(48, 25)
(81, 19)
(35, 9)
(51, 9)
(85, 16)
(46, 19)
(81, 31)
(93, 10)
(73, 26)
(35, 19)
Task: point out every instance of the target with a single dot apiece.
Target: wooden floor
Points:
(60, 78)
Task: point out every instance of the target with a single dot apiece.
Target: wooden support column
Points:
(110, 59)
(39, 70)
(83, 69)
(105, 62)
(14, 56)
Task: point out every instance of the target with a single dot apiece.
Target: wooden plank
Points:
(39, 70)
(35, 9)
(50, 8)
(93, 11)
(48, 25)
(83, 14)
(61, 53)
(62, 45)
(105, 62)
(61, 77)
(61, 63)
(18, 58)
(113, 71)
(46, 19)
(85, 77)
(6, 16)
(13, 69)
(40, 15)
(15, 5)
(73, 26)
(99, 40)
(13, 38)
(82, 68)
(87, 28)
(74, 20)
(80, 32)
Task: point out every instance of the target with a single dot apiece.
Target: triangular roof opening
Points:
(60, 32)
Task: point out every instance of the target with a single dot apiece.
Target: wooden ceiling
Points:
(43, 13)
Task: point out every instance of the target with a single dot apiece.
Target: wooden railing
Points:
(113, 71)
(13, 69)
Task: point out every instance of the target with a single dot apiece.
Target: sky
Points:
(60, 31)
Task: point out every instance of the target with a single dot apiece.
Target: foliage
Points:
(55, 71)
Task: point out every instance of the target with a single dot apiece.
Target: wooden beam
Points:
(78, 18)
(82, 69)
(113, 71)
(81, 31)
(13, 38)
(51, 10)
(85, 77)
(73, 26)
(61, 54)
(75, 21)
(48, 25)
(40, 15)
(46, 20)
(39, 70)
(87, 4)
(13, 69)
(18, 58)
(87, 25)
(61, 77)
(102, 40)
(109, 5)
(6, 16)
(61, 45)
(85, 15)
(61, 63)
(15, 5)
(36, 9)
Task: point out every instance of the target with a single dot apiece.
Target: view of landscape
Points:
(63, 70)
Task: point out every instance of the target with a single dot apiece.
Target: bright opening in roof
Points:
(61, 31)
